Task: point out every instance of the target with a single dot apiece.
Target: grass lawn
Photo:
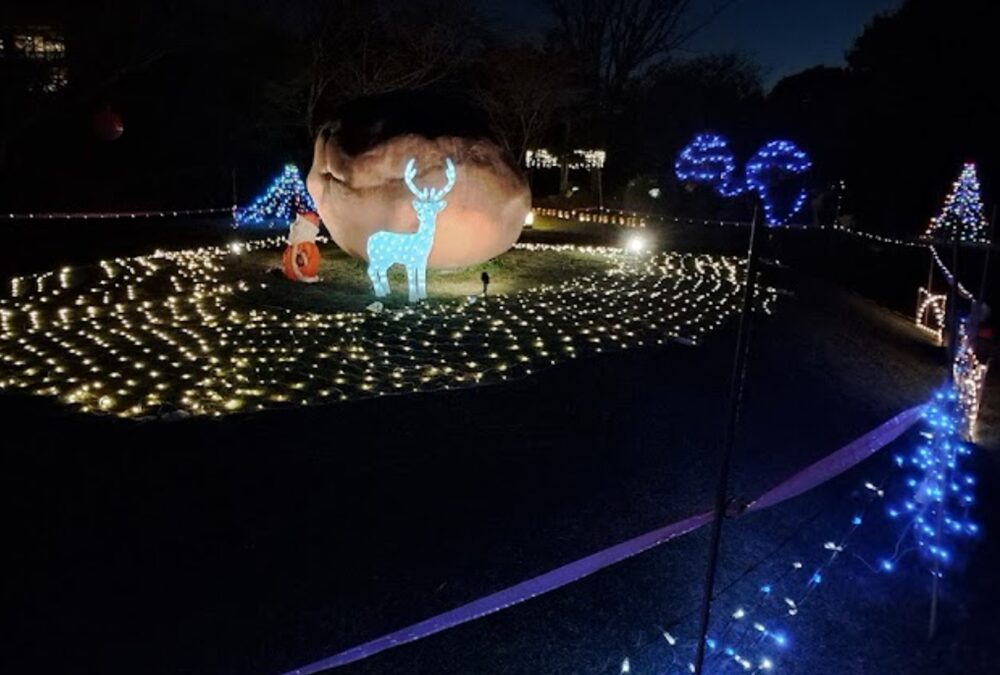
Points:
(344, 283)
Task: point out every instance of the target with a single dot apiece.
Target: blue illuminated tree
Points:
(962, 217)
(707, 159)
(771, 167)
(770, 173)
(283, 199)
(938, 490)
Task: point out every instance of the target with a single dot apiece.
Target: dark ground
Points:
(262, 542)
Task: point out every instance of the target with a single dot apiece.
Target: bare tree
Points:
(521, 89)
(616, 40)
(373, 47)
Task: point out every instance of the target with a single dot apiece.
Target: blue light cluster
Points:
(774, 162)
(934, 504)
(279, 204)
(962, 217)
(707, 159)
(939, 494)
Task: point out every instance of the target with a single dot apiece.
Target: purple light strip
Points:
(816, 474)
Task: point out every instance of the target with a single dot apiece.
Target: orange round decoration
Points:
(300, 262)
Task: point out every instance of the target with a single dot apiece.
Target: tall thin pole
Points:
(986, 260)
(930, 268)
(729, 441)
(600, 189)
(952, 353)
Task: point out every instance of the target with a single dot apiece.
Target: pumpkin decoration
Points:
(300, 262)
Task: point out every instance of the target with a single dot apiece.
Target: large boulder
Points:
(357, 183)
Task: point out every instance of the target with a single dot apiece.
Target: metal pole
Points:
(952, 353)
(953, 347)
(729, 442)
(600, 189)
(930, 268)
(986, 261)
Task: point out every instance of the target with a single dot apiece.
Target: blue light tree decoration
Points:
(939, 495)
(283, 199)
(775, 161)
(962, 217)
(411, 250)
(707, 159)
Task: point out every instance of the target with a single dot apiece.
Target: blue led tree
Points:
(962, 217)
(411, 250)
(707, 159)
(774, 163)
(938, 490)
(283, 199)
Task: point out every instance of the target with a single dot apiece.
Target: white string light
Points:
(124, 215)
(540, 158)
(179, 331)
(931, 312)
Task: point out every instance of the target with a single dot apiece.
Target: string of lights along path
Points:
(167, 332)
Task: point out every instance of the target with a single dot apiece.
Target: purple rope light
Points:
(815, 474)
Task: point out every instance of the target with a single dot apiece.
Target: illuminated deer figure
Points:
(411, 250)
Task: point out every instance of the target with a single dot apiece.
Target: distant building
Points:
(36, 56)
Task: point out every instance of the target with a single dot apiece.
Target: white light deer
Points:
(411, 250)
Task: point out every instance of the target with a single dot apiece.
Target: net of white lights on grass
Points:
(166, 332)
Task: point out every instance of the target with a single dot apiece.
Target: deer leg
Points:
(383, 276)
(412, 280)
(373, 274)
(422, 281)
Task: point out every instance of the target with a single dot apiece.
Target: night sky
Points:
(786, 36)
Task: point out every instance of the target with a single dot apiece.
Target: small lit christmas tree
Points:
(938, 490)
(282, 200)
(962, 216)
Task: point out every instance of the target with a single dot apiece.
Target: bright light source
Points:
(635, 243)
(236, 247)
(654, 193)
(529, 218)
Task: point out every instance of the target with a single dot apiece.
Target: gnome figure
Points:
(301, 259)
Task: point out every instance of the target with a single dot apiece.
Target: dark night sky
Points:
(786, 36)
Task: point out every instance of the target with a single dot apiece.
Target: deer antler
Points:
(427, 194)
(449, 172)
(408, 175)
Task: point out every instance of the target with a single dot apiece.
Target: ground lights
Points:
(170, 331)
